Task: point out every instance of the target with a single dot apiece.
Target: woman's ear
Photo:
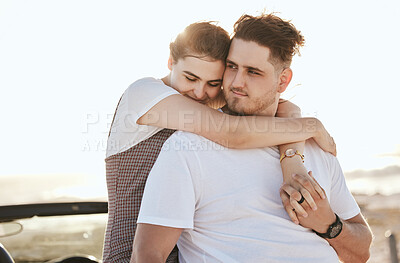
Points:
(284, 79)
(170, 61)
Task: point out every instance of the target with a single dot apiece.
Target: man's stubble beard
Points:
(256, 106)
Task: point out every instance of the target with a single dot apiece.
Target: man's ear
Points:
(170, 62)
(284, 79)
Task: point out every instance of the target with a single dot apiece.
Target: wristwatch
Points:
(333, 230)
(290, 153)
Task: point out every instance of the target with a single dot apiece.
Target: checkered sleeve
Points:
(126, 175)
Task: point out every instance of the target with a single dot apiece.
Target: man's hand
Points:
(317, 219)
(353, 242)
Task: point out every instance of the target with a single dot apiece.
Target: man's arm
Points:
(353, 242)
(154, 243)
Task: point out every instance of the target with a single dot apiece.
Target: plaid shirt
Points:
(126, 174)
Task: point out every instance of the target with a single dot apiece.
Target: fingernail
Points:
(294, 175)
(305, 215)
(296, 222)
(314, 208)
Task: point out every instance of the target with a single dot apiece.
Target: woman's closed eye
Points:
(190, 79)
(214, 84)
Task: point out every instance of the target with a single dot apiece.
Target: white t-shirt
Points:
(228, 202)
(139, 98)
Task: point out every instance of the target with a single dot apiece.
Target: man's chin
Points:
(234, 109)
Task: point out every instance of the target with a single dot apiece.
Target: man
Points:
(225, 206)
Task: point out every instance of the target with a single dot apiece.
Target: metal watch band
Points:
(283, 156)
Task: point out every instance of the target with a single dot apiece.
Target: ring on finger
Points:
(301, 200)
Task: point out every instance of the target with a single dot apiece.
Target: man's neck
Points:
(226, 110)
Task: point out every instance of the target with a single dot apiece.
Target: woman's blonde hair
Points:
(202, 39)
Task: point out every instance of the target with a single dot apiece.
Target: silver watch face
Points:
(335, 230)
(290, 152)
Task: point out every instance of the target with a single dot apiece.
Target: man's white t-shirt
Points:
(227, 201)
(138, 99)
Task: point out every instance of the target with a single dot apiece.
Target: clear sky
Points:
(64, 65)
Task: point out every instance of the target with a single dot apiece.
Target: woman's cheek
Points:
(215, 93)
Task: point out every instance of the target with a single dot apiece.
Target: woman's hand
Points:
(294, 166)
(287, 109)
(324, 139)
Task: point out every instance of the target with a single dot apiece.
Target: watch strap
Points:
(335, 227)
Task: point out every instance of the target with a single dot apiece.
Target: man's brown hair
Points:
(202, 39)
(268, 30)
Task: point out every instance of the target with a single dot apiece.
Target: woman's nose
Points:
(199, 91)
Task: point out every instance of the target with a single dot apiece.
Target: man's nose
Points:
(238, 80)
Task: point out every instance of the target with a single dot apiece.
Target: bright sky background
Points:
(64, 64)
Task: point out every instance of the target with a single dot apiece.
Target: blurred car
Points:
(69, 232)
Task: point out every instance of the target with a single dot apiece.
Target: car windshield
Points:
(48, 238)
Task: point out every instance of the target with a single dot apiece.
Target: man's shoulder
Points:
(185, 141)
(317, 155)
(312, 147)
(183, 136)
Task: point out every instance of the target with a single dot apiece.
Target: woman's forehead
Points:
(204, 68)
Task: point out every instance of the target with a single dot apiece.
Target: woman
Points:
(196, 63)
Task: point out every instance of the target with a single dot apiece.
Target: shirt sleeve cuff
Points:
(165, 222)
